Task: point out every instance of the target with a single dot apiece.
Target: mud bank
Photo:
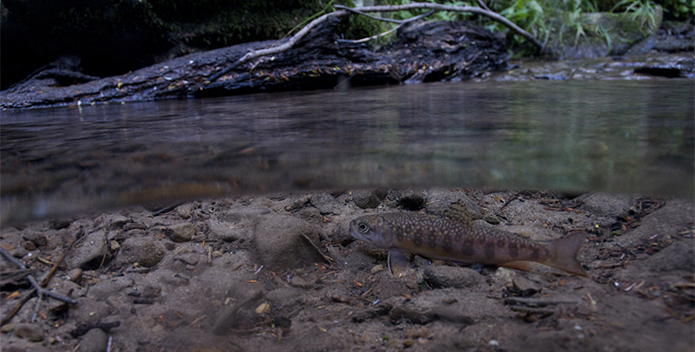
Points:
(281, 271)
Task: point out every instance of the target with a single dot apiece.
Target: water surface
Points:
(576, 136)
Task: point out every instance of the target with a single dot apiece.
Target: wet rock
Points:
(90, 252)
(310, 214)
(58, 224)
(75, 274)
(280, 242)
(678, 256)
(229, 232)
(491, 219)
(325, 203)
(146, 251)
(411, 200)
(443, 276)
(109, 287)
(365, 199)
(30, 246)
(411, 315)
(184, 210)
(134, 226)
(116, 222)
(94, 340)
(29, 332)
(38, 238)
(609, 206)
(675, 216)
(521, 286)
(297, 281)
(19, 252)
(182, 232)
(188, 258)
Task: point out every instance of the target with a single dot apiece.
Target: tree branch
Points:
(465, 8)
(381, 8)
(275, 49)
(400, 24)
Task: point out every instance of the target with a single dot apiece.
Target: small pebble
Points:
(29, 332)
(30, 246)
(7, 328)
(75, 274)
(93, 341)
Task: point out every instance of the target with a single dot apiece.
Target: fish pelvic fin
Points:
(564, 254)
(399, 265)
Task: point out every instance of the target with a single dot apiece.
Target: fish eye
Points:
(363, 227)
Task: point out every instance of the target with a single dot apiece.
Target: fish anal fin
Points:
(519, 265)
(399, 265)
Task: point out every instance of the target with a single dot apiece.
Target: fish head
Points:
(373, 229)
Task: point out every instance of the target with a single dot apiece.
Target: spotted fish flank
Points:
(446, 238)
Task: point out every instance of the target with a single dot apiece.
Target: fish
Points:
(447, 238)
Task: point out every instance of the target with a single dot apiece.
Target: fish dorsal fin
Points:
(459, 212)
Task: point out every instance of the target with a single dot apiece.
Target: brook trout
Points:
(445, 238)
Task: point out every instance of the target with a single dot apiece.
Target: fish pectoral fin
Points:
(519, 265)
(399, 265)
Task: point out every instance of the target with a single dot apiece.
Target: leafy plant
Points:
(642, 10)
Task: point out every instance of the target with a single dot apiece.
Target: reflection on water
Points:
(617, 136)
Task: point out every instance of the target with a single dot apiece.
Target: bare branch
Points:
(428, 13)
(482, 4)
(465, 8)
(276, 49)
(354, 10)
(362, 11)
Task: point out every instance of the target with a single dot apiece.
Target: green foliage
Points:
(679, 9)
(642, 10)
(558, 19)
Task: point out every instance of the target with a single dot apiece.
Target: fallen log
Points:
(314, 58)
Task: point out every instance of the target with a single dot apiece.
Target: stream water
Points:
(612, 136)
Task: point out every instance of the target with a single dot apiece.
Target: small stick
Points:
(37, 288)
(50, 274)
(12, 259)
(482, 4)
(167, 209)
(42, 291)
(354, 10)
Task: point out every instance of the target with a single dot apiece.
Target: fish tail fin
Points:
(564, 254)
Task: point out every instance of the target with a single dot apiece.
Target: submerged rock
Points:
(94, 340)
(365, 199)
(442, 276)
(29, 332)
(146, 251)
(182, 232)
(90, 252)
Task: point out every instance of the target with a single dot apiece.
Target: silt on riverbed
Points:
(282, 271)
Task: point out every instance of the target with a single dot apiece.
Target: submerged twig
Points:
(167, 208)
(37, 288)
(42, 291)
(50, 274)
(12, 259)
